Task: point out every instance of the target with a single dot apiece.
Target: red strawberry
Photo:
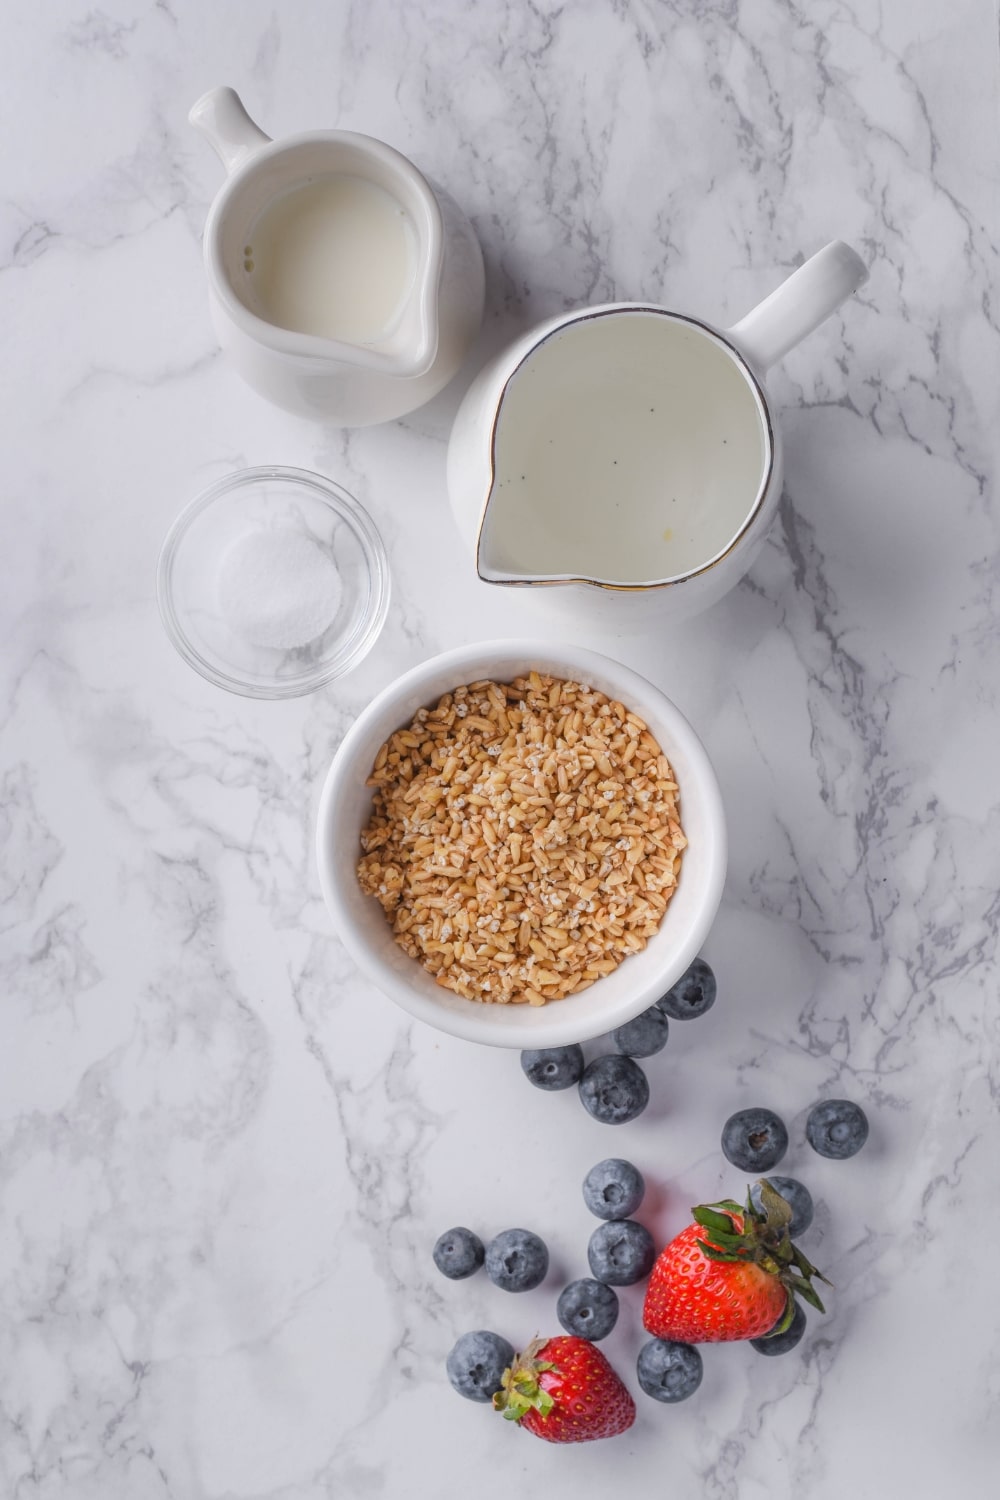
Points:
(564, 1390)
(732, 1274)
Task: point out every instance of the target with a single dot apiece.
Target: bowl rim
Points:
(560, 1028)
(349, 510)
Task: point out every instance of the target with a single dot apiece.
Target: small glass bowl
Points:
(281, 502)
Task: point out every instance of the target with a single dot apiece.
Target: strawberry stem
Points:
(736, 1233)
(520, 1391)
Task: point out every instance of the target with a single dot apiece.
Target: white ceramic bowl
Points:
(345, 805)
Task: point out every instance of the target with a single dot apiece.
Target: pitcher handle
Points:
(221, 118)
(799, 305)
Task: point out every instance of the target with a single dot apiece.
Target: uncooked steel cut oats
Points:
(524, 839)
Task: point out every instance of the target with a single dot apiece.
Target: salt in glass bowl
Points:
(291, 506)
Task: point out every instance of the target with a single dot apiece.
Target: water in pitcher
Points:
(631, 448)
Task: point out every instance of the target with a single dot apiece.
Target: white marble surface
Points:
(223, 1158)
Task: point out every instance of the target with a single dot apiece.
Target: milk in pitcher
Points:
(335, 257)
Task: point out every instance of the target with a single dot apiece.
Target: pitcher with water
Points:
(625, 458)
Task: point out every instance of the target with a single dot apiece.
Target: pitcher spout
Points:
(501, 543)
(497, 558)
(412, 346)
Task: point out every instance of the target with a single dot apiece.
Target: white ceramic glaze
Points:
(609, 408)
(345, 805)
(347, 384)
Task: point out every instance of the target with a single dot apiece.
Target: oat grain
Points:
(524, 839)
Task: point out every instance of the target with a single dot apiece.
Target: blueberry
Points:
(621, 1253)
(754, 1140)
(553, 1067)
(692, 995)
(614, 1089)
(643, 1035)
(476, 1364)
(587, 1308)
(669, 1371)
(613, 1189)
(458, 1253)
(798, 1198)
(516, 1260)
(837, 1128)
(780, 1343)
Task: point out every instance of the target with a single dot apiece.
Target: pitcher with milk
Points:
(622, 458)
(343, 284)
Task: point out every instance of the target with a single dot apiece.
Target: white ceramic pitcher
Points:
(625, 458)
(348, 383)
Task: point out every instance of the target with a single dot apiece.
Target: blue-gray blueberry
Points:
(754, 1140)
(614, 1089)
(553, 1068)
(613, 1189)
(458, 1253)
(644, 1034)
(587, 1308)
(669, 1371)
(621, 1253)
(692, 995)
(837, 1128)
(516, 1260)
(476, 1364)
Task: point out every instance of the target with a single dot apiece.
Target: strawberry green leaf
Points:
(727, 1204)
(728, 1242)
(776, 1210)
(543, 1403)
(720, 1224)
(805, 1291)
(713, 1254)
(785, 1320)
(520, 1391)
(806, 1267)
